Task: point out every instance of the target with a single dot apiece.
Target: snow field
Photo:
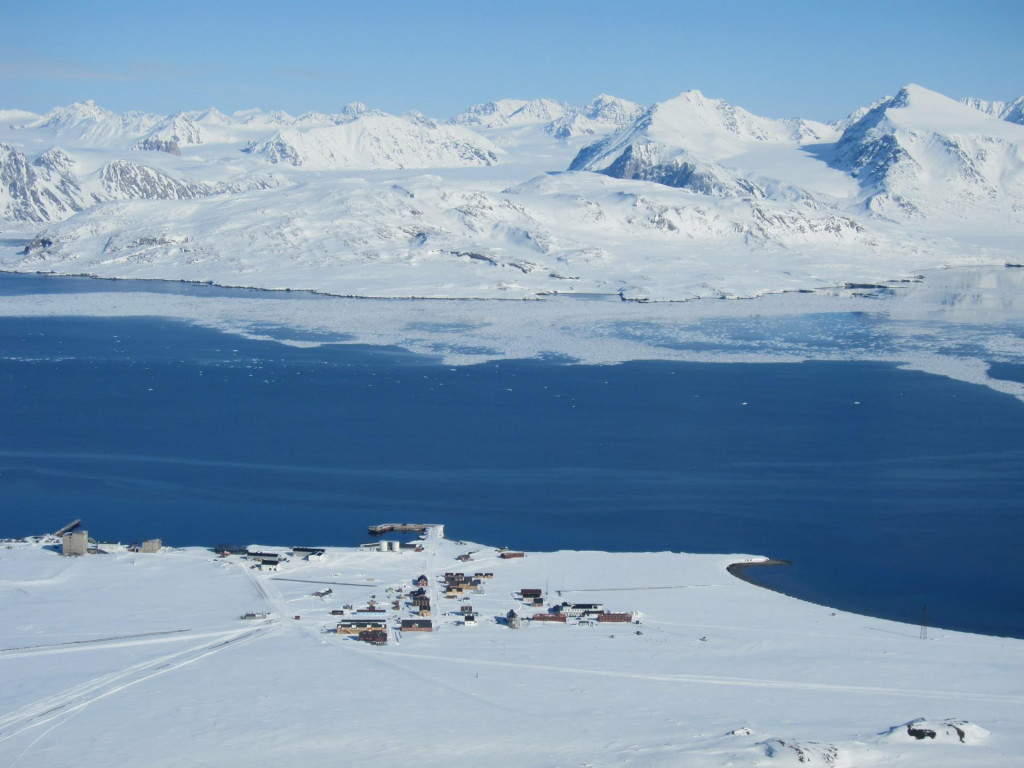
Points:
(717, 655)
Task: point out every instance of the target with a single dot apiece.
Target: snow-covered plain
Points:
(138, 659)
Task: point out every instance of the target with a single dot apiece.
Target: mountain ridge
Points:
(688, 197)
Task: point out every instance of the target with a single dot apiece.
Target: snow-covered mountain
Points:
(373, 140)
(171, 133)
(42, 190)
(89, 124)
(1011, 111)
(599, 116)
(689, 197)
(52, 187)
(680, 142)
(505, 112)
(920, 153)
(692, 123)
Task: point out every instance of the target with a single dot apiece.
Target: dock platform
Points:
(380, 530)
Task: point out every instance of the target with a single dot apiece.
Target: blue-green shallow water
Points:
(154, 428)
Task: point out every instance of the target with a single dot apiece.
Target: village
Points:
(416, 586)
(440, 590)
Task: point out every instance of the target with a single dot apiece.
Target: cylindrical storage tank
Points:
(396, 546)
(384, 546)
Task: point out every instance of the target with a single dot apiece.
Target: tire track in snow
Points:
(742, 682)
(75, 698)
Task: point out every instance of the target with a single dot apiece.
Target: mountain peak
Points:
(913, 96)
(915, 108)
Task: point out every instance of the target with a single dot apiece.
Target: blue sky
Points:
(781, 59)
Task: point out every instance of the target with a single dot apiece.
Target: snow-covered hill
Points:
(690, 197)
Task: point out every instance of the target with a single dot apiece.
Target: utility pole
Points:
(924, 623)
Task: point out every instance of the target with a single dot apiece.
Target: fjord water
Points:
(887, 489)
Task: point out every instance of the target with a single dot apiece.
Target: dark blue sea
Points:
(888, 490)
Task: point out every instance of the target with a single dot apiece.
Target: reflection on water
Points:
(966, 295)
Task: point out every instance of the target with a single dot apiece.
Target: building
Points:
(417, 625)
(529, 594)
(615, 617)
(422, 581)
(580, 610)
(264, 555)
(151, 546)
(74, 543)
(510, 555)
(374, 636)
(355, 626)
(549, 617)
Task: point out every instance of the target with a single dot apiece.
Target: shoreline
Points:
(739, 570)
